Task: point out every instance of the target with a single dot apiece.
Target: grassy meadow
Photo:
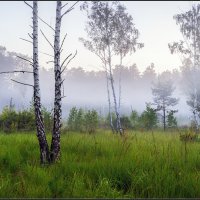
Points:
(139, 165)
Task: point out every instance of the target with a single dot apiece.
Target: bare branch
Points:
(64, 5)
(68, 10)
(62, 81)
(9, 72)
(22, 83)
(46, 23)
(46, 54)
(25, 59)
(69, 62)
(63, 97)
(51, 61)
(47, 39)
(63, 42)
(26, 40)
(65, 59)
(28, 5)
(30, 35)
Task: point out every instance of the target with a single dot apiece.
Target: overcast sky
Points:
(153, 19)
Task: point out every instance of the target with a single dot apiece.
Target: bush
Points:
(125, 122)
(8, 119)
(134, 118)
(82, 121)
(23, 120)
(91, 121)
(148, 118)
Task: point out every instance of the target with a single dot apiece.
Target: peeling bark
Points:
(55, 144)
(44, 149)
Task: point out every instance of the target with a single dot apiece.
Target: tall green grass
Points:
(140, 165)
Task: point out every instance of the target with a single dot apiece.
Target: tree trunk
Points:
(55, 144)
(164, 119)
(44, 149)
(119, 128)
(109, 103)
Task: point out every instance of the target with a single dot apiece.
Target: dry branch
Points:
(46, 23)
(28, 5)
(26, 40)
(22, 83)
(63, 41)
(25, 59)
(70, 9)
(22, 71)
(69, 62)
(65, 59)
(47, 39)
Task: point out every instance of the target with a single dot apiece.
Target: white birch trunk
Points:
(119, 128)
(44, 149)
(55, 145)
(109, 103)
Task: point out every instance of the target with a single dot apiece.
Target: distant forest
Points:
(87, 89)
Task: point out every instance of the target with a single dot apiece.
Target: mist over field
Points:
(87, 89)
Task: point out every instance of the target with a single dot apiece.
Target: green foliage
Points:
(48, 119)
(148, 118)
(101, 166)
(23, 120)
(79, 120)
(72, 118)
(171, 119)
(8, 119)
(82, 121)
(91, 121)
(134, 118)
(125, 122)
(26, 120)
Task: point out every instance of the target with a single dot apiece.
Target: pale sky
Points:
(153, 19)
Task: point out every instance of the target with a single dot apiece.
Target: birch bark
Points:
(119, 127)
(44, 149)
(55, 144)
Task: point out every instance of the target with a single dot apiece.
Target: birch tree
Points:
(46, 155)
(43, 145)
(103, 31)
(189, 49)
(44, 149)
(58, 70)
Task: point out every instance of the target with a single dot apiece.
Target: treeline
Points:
(84, 121)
